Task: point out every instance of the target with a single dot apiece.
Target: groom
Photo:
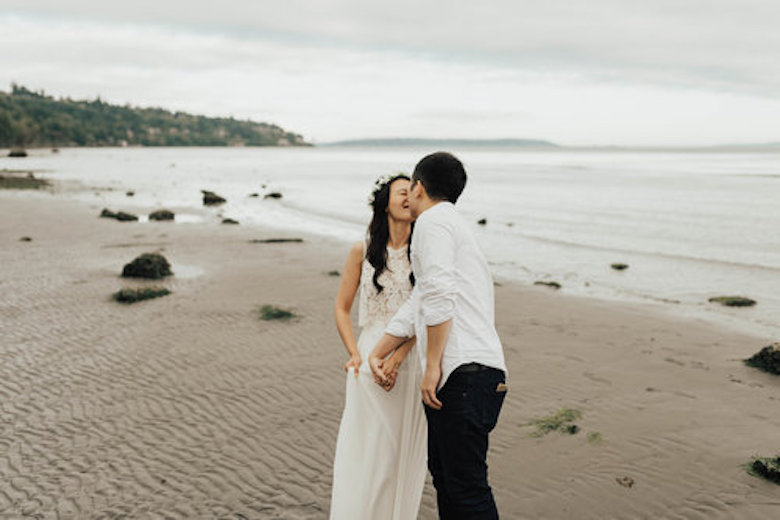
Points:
(451, 311)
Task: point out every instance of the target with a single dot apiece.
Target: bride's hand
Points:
(354, 362)
(377, 368)
(389, 382)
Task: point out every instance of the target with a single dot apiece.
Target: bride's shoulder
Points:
(356, 253)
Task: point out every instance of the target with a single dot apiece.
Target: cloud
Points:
(601, 73)
(471, 116)
(716, 44)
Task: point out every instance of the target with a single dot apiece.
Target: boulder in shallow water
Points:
(162, 214)
(229, 221)
(766, 359)
(619, 267)
(733, 301)
(149, 265)
(25, 239)
(120, 215)
(210, 198)
(130, 193)
(554, 285)
(17, 152)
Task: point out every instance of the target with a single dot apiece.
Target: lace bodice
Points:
(376, 309)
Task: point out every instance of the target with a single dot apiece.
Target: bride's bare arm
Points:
(350, 280)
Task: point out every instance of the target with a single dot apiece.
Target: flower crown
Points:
(380, 183)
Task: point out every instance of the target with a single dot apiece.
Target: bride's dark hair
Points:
(379, 229)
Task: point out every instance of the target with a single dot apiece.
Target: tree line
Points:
(33, 119)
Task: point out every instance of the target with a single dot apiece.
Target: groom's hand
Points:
(430, 383)
(376, 365)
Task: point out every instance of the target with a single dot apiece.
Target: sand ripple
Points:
(188, 406)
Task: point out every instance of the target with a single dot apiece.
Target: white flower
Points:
(379, 184)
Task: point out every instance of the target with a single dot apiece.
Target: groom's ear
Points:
(417, 188)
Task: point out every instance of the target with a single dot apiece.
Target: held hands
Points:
(430, 383)
(385, 370)
(354, 362)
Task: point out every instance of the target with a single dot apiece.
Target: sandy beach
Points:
(190, 406)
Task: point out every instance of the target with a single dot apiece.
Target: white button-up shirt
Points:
(452, 282)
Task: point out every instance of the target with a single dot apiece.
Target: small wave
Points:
(671, 256)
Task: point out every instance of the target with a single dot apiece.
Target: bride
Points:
(379, 466)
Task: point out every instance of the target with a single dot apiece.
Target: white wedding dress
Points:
(380, 462)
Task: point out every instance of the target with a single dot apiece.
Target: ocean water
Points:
(691, 225)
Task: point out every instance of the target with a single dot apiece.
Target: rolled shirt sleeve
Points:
(436, 281)
(402, 323)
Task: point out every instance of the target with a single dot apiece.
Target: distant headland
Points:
(412, 141)
(34, 119)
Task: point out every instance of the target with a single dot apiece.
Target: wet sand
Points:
(190, 406)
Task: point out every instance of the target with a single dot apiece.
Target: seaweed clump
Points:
(275, 240)
(733, 301)
(270, 312)
(14, 180)
(562, 421)
(137, 294)
(765, 467)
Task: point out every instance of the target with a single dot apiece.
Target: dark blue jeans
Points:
(458, 443)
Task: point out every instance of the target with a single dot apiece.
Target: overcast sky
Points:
(625, 72)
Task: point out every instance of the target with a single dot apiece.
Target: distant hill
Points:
(402, 141)
(750, 145)
(34, 119)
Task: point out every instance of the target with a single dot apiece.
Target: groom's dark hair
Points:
(442, 175)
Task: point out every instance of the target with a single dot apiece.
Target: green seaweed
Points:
(137, 294)
(562, 421)
(733, 301)
(275, 240)
(12, 180)
(270, 312)
(765, 467)
(595, 437)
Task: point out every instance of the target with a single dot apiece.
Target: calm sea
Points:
(691, 225)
